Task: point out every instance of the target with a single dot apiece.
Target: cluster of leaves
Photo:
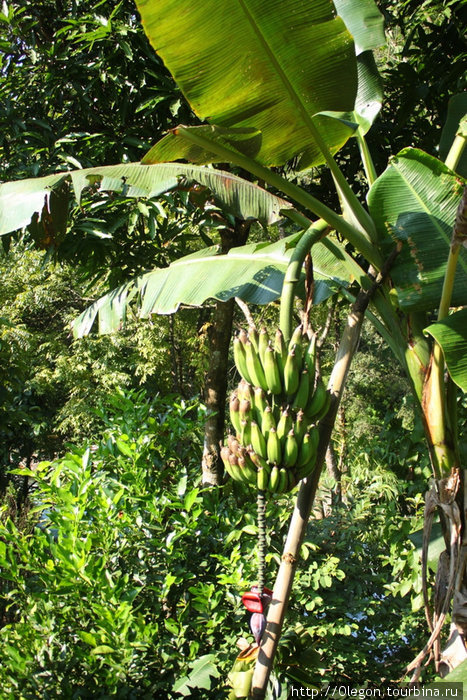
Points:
(51, 385)
(85, 98)
(423, 65)
(72, 95)
(130, 575)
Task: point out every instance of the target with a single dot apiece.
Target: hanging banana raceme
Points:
(275, 410)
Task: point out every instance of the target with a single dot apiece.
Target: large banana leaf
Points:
(451, 334)
(253, 272)
(271, 66)
(364, 21)
(21, 199)
(415, 201)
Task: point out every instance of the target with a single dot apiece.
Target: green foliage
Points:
(423, 66)
(85, 98)
(52, 385)
(129, 576)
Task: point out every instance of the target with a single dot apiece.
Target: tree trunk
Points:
(215, 388)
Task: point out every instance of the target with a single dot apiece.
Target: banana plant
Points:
(296, 80)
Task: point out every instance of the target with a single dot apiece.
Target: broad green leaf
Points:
(332, 262)
(102, 649)
(366, 24)
(201, 675)
(87, 637)
(436, 544)
(414, 202)
(20, 200)
(364, 21)
(456, 122)
(270, 66)
(451, 334)
(253, 272)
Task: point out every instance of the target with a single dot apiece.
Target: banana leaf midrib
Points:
(280, 71)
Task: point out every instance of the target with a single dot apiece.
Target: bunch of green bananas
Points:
(274, 411)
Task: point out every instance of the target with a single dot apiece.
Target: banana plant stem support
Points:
(284, 581)
(434, 391)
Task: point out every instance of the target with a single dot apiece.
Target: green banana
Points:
(234, 407)
(310, 359)
(257, 440)
(296, 338)
(262, 478)
(248, 469)
(276, 408)
(240, 359)
(284, 424)
(283, 480)
(317, 400)
(235, 471)
(325, 408)
(260, 404)
(292, 369)
(245, 432)
(273, 445)
(268, 422)
(301, 397)
(300, 426)
(307, 450)
(290, 450)
(280, 350)
(253, 337)
(254, 366)
(306, 470)
(314, 437)
(245, 409)
(259, 461)
(271, 371)
(274, 479)
(263, 343)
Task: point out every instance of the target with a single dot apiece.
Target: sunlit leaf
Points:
(253, 272)
(201, 675)
(414, 202)
(270, 66)
(364, 21)
(451, 334)
(20, 200)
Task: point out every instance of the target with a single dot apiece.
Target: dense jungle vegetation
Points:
(121, 567)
